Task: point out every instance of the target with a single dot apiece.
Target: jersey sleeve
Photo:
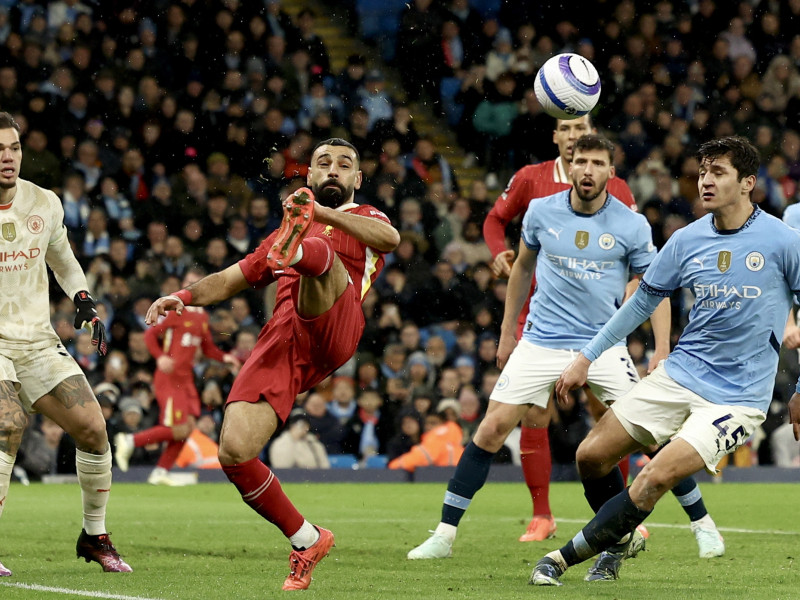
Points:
(254, 265)
(619, 188)
(59, 255)
(508, 205)
(530, 228)
(792, 263)
(663, 274)
(210, 349)
(643, 251)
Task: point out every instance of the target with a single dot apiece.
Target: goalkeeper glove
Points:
(87, 318)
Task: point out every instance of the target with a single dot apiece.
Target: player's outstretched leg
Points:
(6, 467)
(534, 446)
(98, 548)
(709, 540)
(298, 214)
(470, 475)
(302, 562)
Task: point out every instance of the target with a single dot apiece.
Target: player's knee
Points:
(591, 461)
(90, 435)
(233, 453)
(654, 482)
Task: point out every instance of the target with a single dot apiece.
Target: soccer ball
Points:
(567, 86)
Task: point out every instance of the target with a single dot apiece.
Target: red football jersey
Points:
(536, 181)
(363, 263)
(179, 337)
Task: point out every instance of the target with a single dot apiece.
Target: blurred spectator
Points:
(440, 445)
(297, 447)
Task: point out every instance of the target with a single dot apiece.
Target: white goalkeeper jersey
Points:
(33, 235)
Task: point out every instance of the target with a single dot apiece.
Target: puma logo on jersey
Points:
(699, 261)
(554, 232)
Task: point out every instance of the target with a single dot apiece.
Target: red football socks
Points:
(534, 446)
(317, 257)
(261, 491)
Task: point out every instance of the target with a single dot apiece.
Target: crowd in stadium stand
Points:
(171, 129)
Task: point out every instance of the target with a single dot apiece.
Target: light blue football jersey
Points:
(743, 282)
(583, 264)
(791, 216)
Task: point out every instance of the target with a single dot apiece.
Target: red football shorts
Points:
(177, 398)
(294, 354)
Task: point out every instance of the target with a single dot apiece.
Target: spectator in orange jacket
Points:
(440, 445)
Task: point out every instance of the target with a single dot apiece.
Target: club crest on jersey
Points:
(581, 239)
(328, 230)
(607, 241)
(754, 261)
(35, 224)
(9, 232)
(723, 261)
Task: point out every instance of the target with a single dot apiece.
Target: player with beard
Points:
(325, 256)
(588, 244)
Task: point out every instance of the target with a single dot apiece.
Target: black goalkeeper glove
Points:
(87, 315)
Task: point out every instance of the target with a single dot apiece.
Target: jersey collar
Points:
(756, 211)
(559, 175)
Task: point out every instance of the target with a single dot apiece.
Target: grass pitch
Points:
(202, 542)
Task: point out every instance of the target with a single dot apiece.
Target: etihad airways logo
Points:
(15, 255)
(580, 268)
(725, 296)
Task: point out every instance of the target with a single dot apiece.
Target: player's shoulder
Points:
(778, 227)
(37, 194)
(366, 210)
(554, 202)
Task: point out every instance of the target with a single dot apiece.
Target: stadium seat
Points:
(378, 461)
(343, 461)
(450, 86)
(379, 20)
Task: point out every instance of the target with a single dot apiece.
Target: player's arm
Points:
(505, 208)
(211, 289)
(794, 413)
(519, 284)
(373, 232)
(214, 352)
(791, 333)
(69, 275)
(625, 320)
(661, 322)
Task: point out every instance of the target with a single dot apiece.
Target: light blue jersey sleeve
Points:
(633, 313)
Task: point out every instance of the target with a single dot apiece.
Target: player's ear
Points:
(748, 183)
(612, 172)
(359, 177)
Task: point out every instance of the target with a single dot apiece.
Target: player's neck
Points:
(587, 207)
(732, 217)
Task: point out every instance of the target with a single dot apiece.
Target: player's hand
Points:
(165, 364)
(574, 376)
(505, 347)
(232, 362)
(657, 357)
(791, 338)
(794, 415)
(501, 265)
(86, 318)
(160, 307)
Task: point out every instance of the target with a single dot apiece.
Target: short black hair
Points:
(594, 141)
(8, 122)
(743, 155)
(337, 142)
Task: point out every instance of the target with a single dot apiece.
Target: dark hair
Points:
(743, 155)
(337, 142)
(594, 141)
(8, 122)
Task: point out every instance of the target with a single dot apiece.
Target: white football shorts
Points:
(659, 408)
(532, 371)
(36, 372)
